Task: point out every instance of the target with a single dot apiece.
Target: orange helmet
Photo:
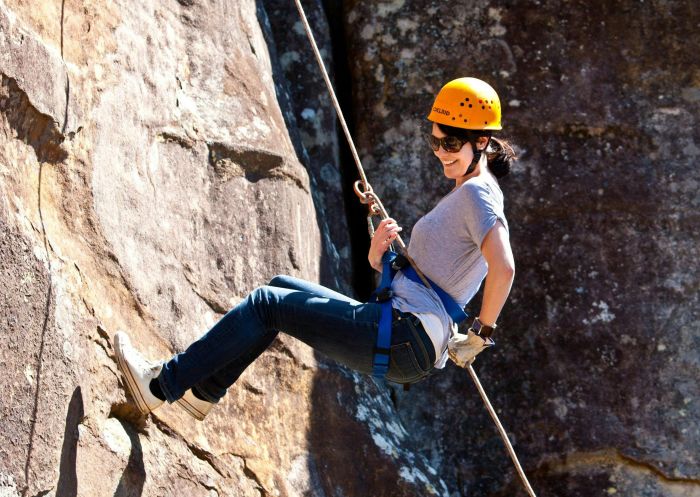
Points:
(467, 103)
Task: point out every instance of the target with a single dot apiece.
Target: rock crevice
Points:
(37, 130)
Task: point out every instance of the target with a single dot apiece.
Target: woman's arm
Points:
(496, 250)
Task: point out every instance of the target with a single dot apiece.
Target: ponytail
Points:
(500, 156)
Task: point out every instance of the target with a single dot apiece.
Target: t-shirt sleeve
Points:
(481, 212)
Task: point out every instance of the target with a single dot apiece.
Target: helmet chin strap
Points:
(477, 157)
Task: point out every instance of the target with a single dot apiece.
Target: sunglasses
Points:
(450, 144)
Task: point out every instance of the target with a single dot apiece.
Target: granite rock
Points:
(312, 122)
(148, 181)
(595, 373)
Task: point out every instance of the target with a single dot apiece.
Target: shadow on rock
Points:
(68, 477)
(134, 476)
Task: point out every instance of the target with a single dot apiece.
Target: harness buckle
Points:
(399, 262)
(382, 350)
(384, 294)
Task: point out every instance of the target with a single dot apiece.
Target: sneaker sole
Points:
(130, 381)
(191, 410)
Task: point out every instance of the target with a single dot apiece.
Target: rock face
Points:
(596, 370)
(158, 160)
(149, 179)
(312, 120)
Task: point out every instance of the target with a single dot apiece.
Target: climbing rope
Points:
(362, 187)
(367, 196)
(501, 431)
(366, 188)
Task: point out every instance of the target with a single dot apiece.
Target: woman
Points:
(463, 240)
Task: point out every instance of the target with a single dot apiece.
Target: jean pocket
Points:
(423, 346)
(404, 366)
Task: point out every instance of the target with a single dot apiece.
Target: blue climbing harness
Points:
(391, 264)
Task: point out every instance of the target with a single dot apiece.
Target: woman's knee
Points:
(259, 303)
(279, 280)
(260, 294)
(266, 297)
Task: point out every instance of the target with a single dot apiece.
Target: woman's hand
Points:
(384, 235)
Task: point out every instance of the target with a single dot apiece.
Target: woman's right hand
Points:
(384, 235)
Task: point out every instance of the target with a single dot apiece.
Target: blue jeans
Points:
(335, 325)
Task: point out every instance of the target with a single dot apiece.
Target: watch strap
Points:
(481, 329)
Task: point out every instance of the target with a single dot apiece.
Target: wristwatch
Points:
(481, 329)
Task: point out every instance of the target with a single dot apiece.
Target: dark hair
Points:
(499, 154)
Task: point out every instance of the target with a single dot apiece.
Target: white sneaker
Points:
(197, 408)
(138, 373)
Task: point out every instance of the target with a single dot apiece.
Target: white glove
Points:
(463, 349)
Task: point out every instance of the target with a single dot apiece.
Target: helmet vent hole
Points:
(470, 106)
(465, 120)
(461, 104)
(466, 99)
(485, 122)
(453, 118)
(483, 107)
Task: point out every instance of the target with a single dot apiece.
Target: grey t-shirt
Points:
(446, 246)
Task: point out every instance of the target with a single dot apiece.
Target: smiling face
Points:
(455, 164)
